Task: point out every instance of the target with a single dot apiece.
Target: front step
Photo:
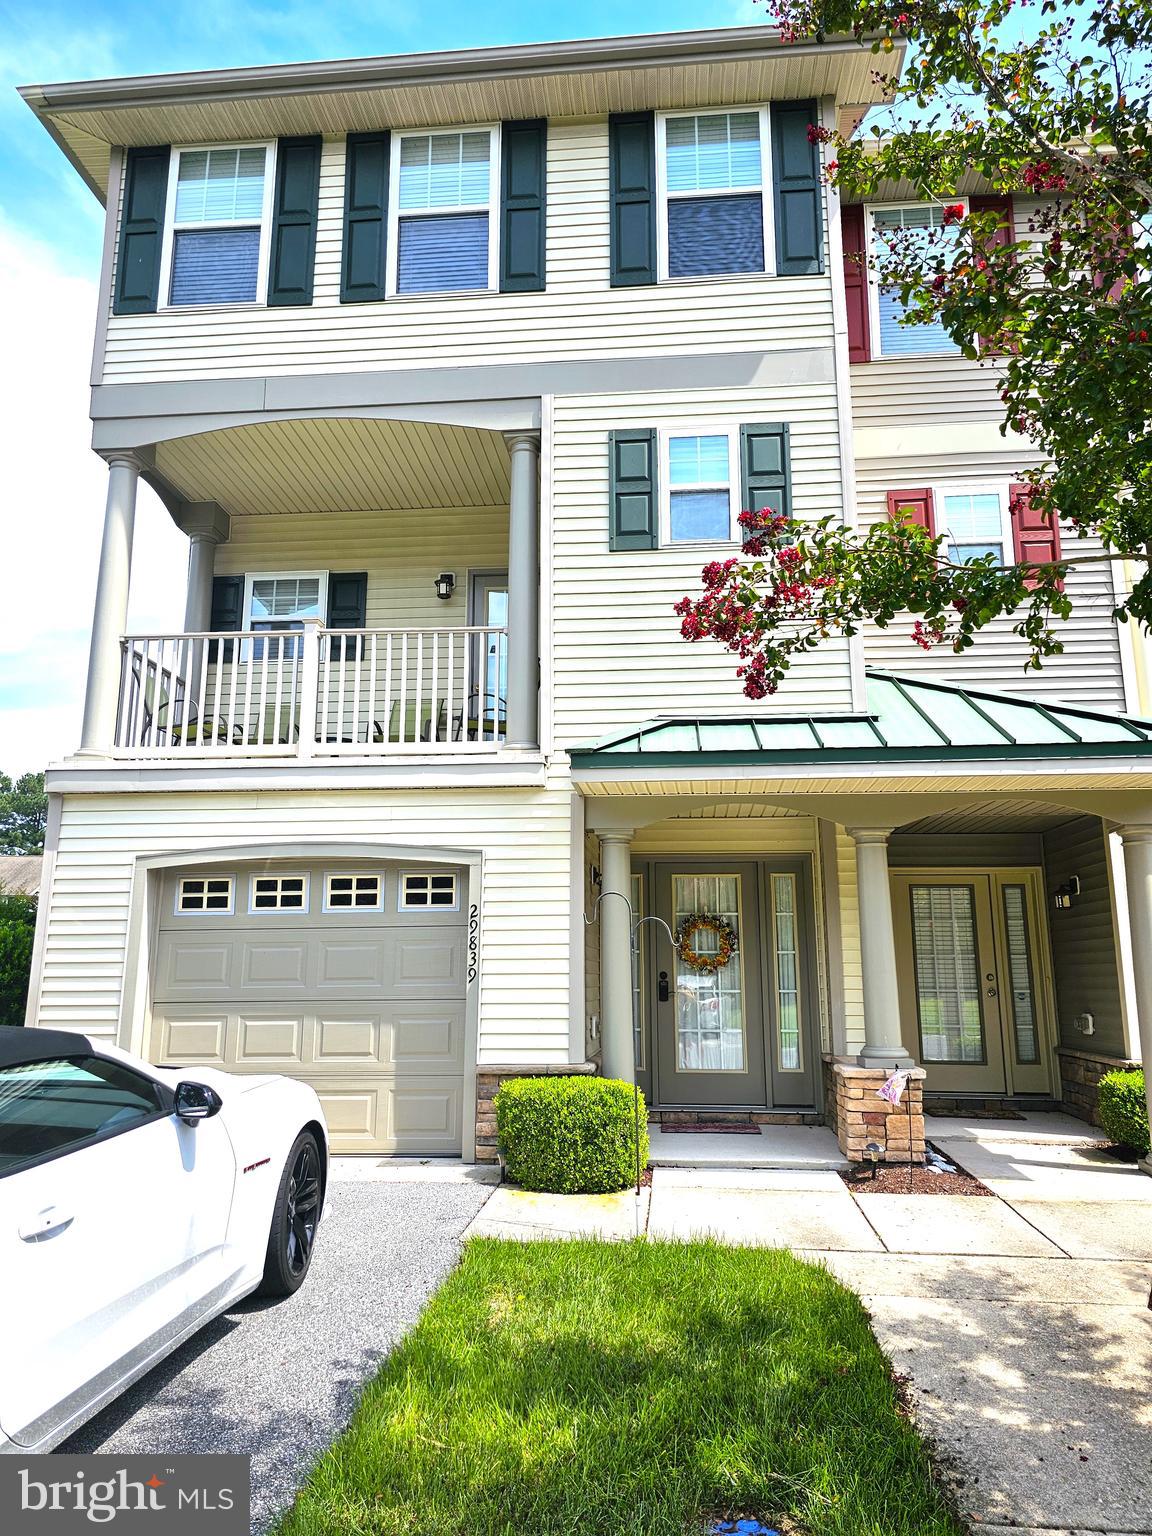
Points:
(797, 1147)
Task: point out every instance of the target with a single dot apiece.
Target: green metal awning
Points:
(909, 719)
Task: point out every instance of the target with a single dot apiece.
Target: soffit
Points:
(328, 465)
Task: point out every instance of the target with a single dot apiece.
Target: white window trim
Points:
(874, 284)
(999, 488)
(491, 208)
(251, 577)
(261, 299)
(728, 429)
(352, 874)
(227, 911)
(288, 874)
(423, 874)
(765, 189)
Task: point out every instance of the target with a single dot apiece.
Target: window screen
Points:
(699, 488)
(216, 226)
(444, 206)
(898, 340)
(714, 186)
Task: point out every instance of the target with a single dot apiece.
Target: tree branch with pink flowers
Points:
(1039, 102)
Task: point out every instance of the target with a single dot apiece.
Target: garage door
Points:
(352, 978)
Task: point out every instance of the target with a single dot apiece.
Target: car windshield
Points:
(51, 1107)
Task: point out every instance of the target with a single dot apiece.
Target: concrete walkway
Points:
(1021, 1323)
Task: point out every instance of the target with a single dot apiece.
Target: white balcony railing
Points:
(313, 693)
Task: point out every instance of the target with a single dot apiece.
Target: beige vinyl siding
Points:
(1084, 959)
(618, 658)
(1089, 670)
(579, 316)
(524, 904)
(402, 552)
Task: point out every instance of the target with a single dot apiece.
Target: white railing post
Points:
(310, 703)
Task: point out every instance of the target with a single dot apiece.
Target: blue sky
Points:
(50, 233)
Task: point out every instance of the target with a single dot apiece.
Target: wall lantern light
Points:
(1067, 893)
(445, 584)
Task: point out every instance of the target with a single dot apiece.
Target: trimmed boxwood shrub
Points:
(1124, 1108)
(570, 1135)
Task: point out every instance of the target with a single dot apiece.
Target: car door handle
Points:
(49, 1222)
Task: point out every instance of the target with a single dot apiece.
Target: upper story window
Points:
(445, 239)
(700, 472)
(279, 603)
(975, 523)
(216, 248)
(892, 339)
(712, 173)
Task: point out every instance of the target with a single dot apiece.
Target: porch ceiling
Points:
(338, 465)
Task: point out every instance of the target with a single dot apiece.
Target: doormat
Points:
(711, 1128)
(953, 1112)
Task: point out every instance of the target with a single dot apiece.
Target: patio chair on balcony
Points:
(165, 715)
(484, 720)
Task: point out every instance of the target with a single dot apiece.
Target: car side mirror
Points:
(196, 1101)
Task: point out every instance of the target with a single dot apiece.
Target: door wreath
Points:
(698, 960)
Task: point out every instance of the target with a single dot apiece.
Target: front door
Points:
(971, 1004)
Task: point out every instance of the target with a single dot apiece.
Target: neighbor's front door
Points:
(709, 1025)
(970, 1000)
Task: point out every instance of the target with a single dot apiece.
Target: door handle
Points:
(662, 990)
(49, 1222)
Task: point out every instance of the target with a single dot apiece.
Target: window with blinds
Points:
(217, 223)
(699, 479)
(445, 228)
(974, 521)
(1018, 944)
(713, 179)
(896, 339)
(947, 973)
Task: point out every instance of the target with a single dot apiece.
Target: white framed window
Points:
(197, 894)
(353, 893)
(444, 228)
(975, 520)
(889, 337)
(278, 893)
(278, 602)
(713, 175)
(699, 484)
(423, 892)
(216, 226)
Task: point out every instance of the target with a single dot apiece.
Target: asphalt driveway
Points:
(278, 1381)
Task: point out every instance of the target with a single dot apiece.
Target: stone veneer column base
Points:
(1080, 1074)
(858, 1115)
(488, 1080)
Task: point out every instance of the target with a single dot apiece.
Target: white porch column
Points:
(110, 616)
(206, 525)
(617, 1042)
(524, 590)
(1138, 883)
(883, 1046)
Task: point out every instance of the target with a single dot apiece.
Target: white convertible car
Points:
(136, 1203)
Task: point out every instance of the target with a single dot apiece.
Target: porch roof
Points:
(909, 719)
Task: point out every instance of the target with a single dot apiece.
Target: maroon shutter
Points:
(855, 282)
(914, 507)
(1001, 205)
(1124, 242)
(1035, 534)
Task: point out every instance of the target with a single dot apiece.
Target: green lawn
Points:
(628, 1389)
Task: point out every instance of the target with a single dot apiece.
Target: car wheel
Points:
(294, 1220)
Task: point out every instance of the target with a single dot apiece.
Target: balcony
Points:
(313, 693)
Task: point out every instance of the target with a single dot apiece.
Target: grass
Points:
(628, 1389)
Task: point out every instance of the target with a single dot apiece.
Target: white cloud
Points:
(52, 500)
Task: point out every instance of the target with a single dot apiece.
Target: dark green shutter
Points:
(633, 513)
(141, 231)
(765, 474)
(295, 207)
(523, 175)
(227, 611)
(632, 169)
(796, 179)
(347, 609)
(365, 246)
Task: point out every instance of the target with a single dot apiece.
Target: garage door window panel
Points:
(353, 893)
(211, 894)
(278, 893)
(422, 893)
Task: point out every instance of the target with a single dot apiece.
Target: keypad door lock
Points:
(662, 991)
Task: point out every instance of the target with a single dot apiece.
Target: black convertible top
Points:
(23, 1045)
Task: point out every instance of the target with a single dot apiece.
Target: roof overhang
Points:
(565, 79)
